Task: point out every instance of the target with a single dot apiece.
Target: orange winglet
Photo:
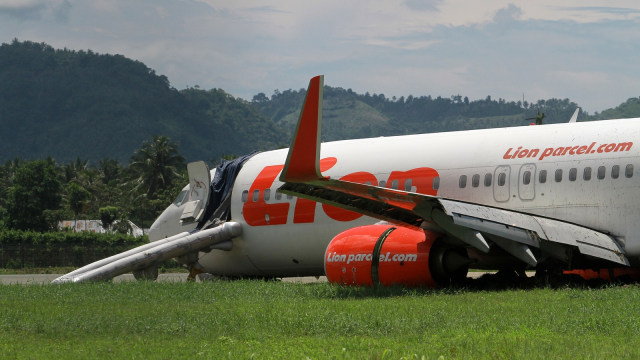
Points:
(304, 153)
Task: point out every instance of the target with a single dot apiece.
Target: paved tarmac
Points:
(47, 278)
(173, 277)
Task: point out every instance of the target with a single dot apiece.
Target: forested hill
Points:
(69, 104)
(79, 104)
(347, 114)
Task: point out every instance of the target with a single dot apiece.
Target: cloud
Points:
(509, 14)
(423, 5)
(545, 48)
(22, 10)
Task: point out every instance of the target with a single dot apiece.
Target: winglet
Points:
(304, 153)
(574, 118)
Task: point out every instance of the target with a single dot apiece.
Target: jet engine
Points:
(384, 254)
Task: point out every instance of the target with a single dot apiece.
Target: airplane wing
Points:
(515, 232)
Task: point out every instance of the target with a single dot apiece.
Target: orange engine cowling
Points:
(388, 255)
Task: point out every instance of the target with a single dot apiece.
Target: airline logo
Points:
(522, 153)
(388, 257)
(261, 213)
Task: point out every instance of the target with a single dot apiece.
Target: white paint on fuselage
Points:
(609, 205)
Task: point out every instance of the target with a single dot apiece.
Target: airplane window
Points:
(407, 185)
(628, 171)
(487, 179)
(394, 184)
(382, 183)
(573, 174)
(502, 179)
(615, 171)
(436, 183)
(463, 181)
(475, 180)
(278, 195)
(558, 175)
(245, 196)
(180, 198)
(267, 194)
(601, 172)
(587, 174)
(526, 177)
(542, 176)
(256, 195)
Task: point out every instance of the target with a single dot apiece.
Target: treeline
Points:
(67, 104)
(28, 249)
(379, 115)
(35, 195)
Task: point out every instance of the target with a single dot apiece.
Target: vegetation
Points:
(347, 114)
(270, 320)
(628, 109)
(68, 104)
(30, 249)
(38, 194)
(32, 195)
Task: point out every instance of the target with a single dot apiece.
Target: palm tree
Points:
(155, 165)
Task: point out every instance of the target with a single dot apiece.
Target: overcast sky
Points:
(587, 51)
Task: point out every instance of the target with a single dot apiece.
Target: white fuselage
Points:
(592, 179)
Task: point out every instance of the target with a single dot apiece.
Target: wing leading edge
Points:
(513, 231)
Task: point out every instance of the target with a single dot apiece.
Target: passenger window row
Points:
(475, 180)
(601, 173)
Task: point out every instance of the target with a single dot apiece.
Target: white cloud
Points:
(23, 10)
(500, 48)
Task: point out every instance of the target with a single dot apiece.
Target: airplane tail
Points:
(304, 153)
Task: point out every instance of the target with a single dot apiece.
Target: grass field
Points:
(262, 320)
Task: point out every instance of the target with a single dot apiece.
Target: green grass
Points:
(256, 319)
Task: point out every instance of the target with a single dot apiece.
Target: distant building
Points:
(93, 226)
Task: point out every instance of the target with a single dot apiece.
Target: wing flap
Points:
(530, 229)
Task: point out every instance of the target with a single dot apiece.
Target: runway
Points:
(27, 279)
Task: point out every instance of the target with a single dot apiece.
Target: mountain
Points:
(628, 109)
(69, 104)
(350, 115)
(79, 104)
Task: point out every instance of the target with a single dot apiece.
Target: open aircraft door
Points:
(199, 187)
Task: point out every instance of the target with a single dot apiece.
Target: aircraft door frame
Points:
(501, 186)
(526, 186)
(199, 186)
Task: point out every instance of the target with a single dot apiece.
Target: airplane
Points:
(412, 210)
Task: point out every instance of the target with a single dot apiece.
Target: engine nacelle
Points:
(392, 255)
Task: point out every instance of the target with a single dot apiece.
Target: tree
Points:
(108, 215)
(77, 197)
(109, 170)
(156, 165)
(35, 192)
